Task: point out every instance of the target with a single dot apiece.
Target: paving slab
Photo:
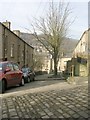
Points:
(67, 103)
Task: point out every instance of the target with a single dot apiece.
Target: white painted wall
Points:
(62, 64)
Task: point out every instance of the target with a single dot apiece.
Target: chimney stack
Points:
(7, 24)
(17, 32)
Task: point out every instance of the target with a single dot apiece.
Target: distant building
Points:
(13, 48)
(67, 47)
(43, 54)
(39, 51)
(62, 63)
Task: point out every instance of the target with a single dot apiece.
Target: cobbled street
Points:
(65, 103)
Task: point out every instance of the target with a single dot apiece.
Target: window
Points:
(15, 66)
(23, 55)
(5, 53)
(12, 50)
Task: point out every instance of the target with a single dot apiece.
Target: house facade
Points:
(13, 48)
(80, 59)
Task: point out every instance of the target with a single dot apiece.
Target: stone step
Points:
(77, 80)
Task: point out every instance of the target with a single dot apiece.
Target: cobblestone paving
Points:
(71, 103)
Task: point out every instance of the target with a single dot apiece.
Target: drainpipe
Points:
(3, 57)
(24, 53)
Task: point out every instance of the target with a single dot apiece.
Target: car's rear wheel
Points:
(22, 82)
(3, 86)
(33, 79)
(30, 79)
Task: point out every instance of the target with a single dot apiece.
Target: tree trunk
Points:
(55, 66)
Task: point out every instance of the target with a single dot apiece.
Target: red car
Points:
(10, 75)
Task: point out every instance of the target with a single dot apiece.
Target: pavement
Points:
(60, 100)
(49, 77)
(76, 79)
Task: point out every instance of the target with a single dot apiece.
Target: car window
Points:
(16, 67)
(30, 69)
(25, 70)
(9, 65)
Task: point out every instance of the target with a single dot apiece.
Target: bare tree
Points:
(54, 28)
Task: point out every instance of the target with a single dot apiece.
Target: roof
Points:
(16, 35)
(82, 35)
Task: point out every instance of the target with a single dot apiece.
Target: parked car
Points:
(10, 75)
(29, 75)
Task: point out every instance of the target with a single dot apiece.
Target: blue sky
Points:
(21, 12)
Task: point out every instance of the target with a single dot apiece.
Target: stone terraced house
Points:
(80, 56)
(13, 48)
